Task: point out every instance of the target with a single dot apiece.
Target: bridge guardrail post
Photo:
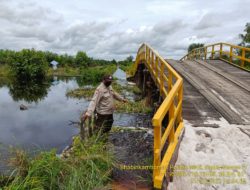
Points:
(171, 116)
(205, 52)
(161, 78)
(157, 151)
(243, 56)
(180, 97)
(156, 66)
(221, 45)
(231, 54)
(170, 76)
(212, 56)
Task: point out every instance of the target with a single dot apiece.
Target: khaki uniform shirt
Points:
(103, 100)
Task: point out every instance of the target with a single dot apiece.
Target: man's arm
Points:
(94, 101)
(118, 97)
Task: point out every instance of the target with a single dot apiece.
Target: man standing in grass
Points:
(103, 104)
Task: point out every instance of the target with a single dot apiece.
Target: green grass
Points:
(64, 71)
(133, 107)
(89, 92)
(79, 93)
(5, 71)
(130, 107)
(88, 167)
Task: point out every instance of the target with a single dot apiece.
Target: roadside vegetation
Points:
(88, 167)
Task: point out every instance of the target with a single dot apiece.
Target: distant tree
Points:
(113, 62)
(194, 46)
(49, 56)
(7, 56)
(246, 37)
(129, 58)
(29, 90)
(246, 43)
(82, 59)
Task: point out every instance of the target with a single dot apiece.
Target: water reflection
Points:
(45, 123)
(121, 76)
(29, 91)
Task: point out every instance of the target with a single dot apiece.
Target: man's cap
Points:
(108, 77)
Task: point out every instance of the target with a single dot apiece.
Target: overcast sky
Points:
(116, 28)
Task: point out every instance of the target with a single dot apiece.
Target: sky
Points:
(115, 29)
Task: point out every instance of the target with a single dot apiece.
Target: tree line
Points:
(31, 63)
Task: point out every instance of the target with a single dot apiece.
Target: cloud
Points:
(27, 14)
(104, 30)
(209, 20)
(80, 36)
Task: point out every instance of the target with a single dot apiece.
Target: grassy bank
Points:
(88, 167)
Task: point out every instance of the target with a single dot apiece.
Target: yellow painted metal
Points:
(212, 52)
(231, 54)
(243, 55)
(157, 67)
(223, 51)
(205, 52)
(166, 159)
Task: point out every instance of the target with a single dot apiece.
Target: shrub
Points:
(29, 64)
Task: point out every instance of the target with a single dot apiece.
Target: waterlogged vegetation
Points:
(88, 167)
(85, 92)
(133, 107)
(138, 106)
(88, 91)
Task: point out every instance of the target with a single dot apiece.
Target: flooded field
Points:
(46, 122)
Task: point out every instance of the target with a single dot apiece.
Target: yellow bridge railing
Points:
(170, 85)
(230, 53)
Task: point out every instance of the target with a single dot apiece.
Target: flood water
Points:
(46, 122)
